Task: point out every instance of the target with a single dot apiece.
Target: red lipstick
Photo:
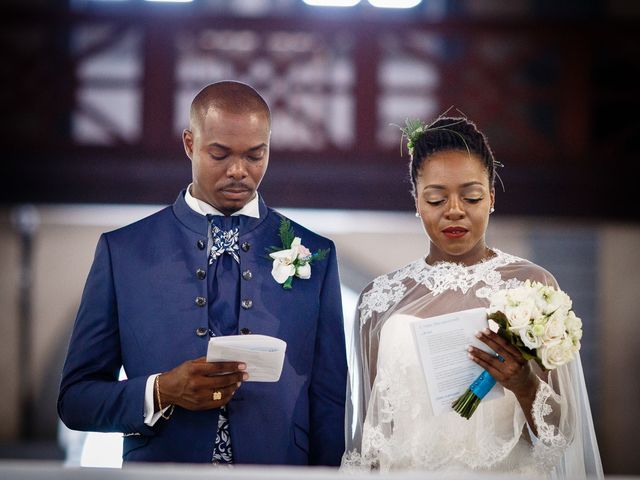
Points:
(454, 232)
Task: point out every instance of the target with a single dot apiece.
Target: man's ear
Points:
(187, 142)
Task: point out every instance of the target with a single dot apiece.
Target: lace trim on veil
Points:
(551, 443)
(389, 289)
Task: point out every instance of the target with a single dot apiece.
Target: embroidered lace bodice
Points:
(392, 422)
(389, 289)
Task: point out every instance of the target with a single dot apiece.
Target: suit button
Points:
(245, 331)
(246, 304)
(245, 246)
(202, 332)
(200, 244)
(201, 301)
(247, 275)
(201, 274)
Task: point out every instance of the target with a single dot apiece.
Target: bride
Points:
(542, 426)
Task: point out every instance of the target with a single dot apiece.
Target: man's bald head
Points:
(228, 96)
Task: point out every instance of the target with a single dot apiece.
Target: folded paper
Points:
(263, 355)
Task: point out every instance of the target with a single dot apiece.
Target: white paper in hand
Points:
(442, 347)
(263, 355)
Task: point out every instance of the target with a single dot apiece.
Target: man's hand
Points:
(198, 385)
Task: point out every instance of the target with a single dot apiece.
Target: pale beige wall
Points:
(63, 248)
(61, 263)
(9, 368)
(619, 291)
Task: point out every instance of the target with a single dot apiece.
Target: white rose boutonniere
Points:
(293, 259)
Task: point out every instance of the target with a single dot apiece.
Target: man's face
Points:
(229, 155)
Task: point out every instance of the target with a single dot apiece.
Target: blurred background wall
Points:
(95, 94)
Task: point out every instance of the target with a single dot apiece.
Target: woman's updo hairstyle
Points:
(446, 133)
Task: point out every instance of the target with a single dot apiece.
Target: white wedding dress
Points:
(389, 421)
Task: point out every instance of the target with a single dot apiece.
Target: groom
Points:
(161, 287)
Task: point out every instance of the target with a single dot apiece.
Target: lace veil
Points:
(389, 424)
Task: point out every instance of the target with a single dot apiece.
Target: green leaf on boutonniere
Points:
(286, 233)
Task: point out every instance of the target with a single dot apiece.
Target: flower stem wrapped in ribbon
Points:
(293, 259)
(538, 320)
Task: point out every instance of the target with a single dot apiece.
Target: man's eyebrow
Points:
(219, 145)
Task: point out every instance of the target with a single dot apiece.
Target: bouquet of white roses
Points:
(538, 320)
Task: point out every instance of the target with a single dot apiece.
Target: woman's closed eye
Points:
(440, 201)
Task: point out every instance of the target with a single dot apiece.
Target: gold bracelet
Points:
(157, 385)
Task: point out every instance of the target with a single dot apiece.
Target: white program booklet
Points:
(442, 343)
(263, 355)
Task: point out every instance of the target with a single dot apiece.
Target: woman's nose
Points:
(455, 209)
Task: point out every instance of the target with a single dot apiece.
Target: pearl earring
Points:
(492, 210)
(417, 215)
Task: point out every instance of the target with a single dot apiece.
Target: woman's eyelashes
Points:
(440, 201)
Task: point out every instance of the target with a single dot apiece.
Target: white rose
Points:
(520, 295)
(521, 315)
(541, 302)
(574, 324)
(304, 271)
(576, 345)
(554, 329)
(557, 299)
(529, 338)
(576, 336)
(537, 329)
(556, 354)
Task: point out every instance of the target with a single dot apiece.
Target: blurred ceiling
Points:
(96, 93)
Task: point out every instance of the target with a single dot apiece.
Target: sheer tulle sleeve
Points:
(362, 373)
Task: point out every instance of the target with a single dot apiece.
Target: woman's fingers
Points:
(489, 362)
(500, 346)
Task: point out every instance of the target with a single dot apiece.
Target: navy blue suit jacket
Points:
(138, 310)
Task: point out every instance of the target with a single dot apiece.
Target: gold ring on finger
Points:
(217, 395)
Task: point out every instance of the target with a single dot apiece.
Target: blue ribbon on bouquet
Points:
(484, 383)
(481, 385)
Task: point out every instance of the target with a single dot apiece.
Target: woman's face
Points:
(453, 198)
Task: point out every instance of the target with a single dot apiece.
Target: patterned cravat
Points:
(224, 292)
(224, 237)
